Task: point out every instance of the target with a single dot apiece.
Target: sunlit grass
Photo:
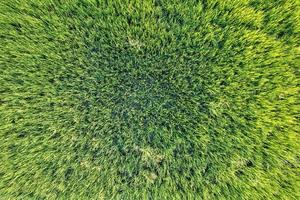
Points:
(149, 99)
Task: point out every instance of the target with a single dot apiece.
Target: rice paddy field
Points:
(149, 99)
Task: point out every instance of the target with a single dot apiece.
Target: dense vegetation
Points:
(149, 99)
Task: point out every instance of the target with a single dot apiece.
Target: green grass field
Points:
(149, 99)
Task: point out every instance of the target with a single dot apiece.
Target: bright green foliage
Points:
(149, 99)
